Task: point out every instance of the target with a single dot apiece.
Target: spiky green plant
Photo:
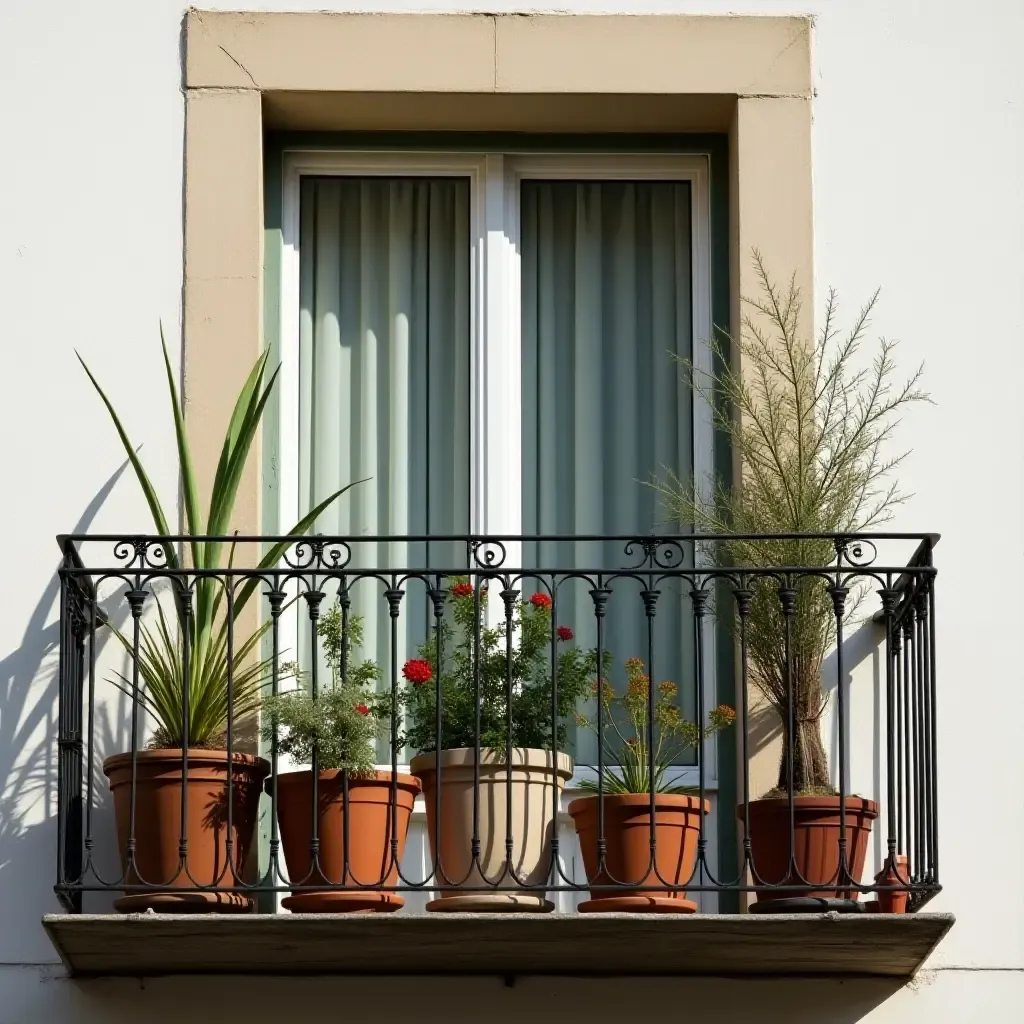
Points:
(200, 616)
(811, 429)
(626, 722)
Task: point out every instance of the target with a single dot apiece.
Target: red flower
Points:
(362, 709)
(540, 600)
(418, 671)
(564, 633)
(462, 590)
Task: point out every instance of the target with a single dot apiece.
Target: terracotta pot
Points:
(158, 799)
(369, 839)
(535, 792)
(816, 846)
(627, 831)
(892, 902)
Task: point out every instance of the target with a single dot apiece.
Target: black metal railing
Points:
(508, 674)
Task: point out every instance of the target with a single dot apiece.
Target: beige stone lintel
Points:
(479, 53)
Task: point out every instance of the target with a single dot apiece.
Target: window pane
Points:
(606, 303)
(384, 378)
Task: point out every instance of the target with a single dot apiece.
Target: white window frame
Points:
(495, 337)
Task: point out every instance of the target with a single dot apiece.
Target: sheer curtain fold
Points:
(605, 307)
(384, 375)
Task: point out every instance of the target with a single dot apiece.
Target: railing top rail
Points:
(64, 540)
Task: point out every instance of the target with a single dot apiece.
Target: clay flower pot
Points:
(158, 800)
(627, 832)
(369, 816)
(892, 902)
(816, 844)
(534, 794)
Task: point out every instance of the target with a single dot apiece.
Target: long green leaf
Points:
(243, 407)
(144, 482)
(188, 480)
(228, 489)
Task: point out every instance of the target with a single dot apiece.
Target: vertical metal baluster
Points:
(63, 680)
(185, 611)
(553, 871)
(910, 681)
(136, 599)
(699, 597)
(437, 596)
(889, 597)
(743, 598)
(475, 840)
(508, 597)
(920, 783)
(233, 872)
(599, 595)
(908, 618)
(90, 743)
(394, 596)
(650, 596)
(313, 598)
(787, 596)
(838, 593)
(897, 652)
(934, 874)
(276, 598)
(345, 603)
(926, 738)
(74, 726)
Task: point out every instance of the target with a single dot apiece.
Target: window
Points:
(489, 338)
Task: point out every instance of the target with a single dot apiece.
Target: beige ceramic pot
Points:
(532, 789)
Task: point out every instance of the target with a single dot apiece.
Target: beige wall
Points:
(748, 76)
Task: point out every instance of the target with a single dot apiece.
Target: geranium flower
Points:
(362, 709)
(564, 633)
(418, 671)
(540, 600)
(462, 589)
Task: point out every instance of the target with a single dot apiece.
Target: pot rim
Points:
(464, 757)
(197, 756)
(382, 778)
(854, 804)
(662, 801)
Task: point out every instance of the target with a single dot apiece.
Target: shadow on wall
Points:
(28, 770)
(435, 1000)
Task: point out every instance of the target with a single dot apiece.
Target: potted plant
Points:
(641, 806)
(521, 770)
(183, 682)
(809, 424)
(358, 807)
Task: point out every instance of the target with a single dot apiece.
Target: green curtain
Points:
(606, 303)
(384, 377)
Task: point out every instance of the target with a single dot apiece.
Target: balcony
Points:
(505, 755)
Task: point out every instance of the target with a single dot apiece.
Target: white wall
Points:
(918, 149)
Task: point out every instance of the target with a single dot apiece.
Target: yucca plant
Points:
(201, 622)
(630, 736)
(811, 427)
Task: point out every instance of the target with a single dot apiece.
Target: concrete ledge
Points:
(497, 944)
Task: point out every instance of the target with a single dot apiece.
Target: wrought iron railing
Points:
(550, 687)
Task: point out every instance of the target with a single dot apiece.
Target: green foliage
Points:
(200, 610)
(627, 719)
(516, 667)
(341, 721)
(811, 429)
